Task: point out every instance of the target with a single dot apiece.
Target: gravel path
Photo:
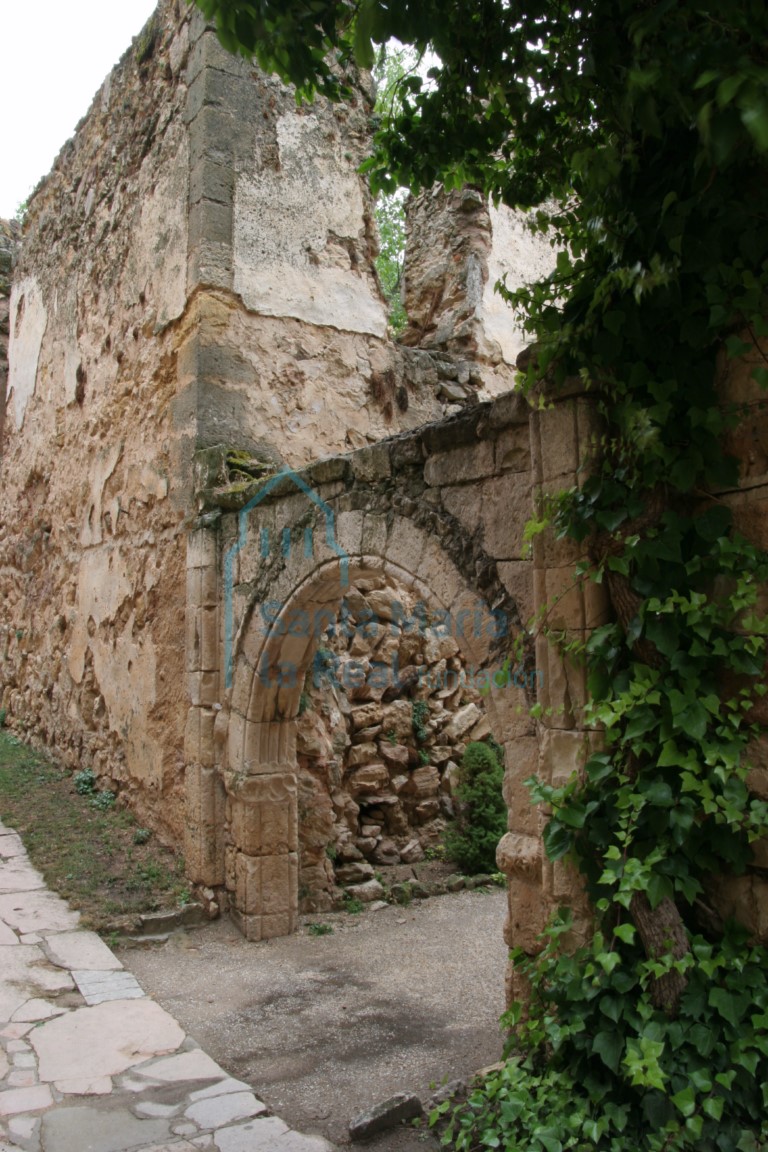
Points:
(323, 1027)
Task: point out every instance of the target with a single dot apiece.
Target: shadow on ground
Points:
(324, 1027)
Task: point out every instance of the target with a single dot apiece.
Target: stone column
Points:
(203, 848)
(262, 856)
(563, 439)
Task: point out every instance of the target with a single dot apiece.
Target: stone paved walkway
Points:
(88, 1063)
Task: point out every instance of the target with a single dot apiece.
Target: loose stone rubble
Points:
(88, 1061)
(387, 711)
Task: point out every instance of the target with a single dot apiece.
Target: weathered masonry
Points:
(441, 512)
(195, 313)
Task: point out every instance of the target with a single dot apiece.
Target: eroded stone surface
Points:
(40, 909)
(98, 1130)
(109, 1037)
(217, 1111)
(80, 950)
(98, 987)
(25, 975)
(195, 1065)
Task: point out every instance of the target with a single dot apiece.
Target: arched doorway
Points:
(274, 647)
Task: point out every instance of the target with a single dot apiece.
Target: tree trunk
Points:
(663, 934)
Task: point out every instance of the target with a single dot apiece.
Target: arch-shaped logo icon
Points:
(265, 545)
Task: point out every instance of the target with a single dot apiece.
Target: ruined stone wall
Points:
(9, 243)
(438, 513)
(196, 270)
(459, 246)
(93, 499)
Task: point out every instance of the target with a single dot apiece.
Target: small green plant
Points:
(392, 736)
(423, 757)
(419, 716)
(3, 717)
(141, 835)
(185, 897)
(353, 904)
(85, 782)
(499, 879)
(332, 852)
(103, 801)
(435, 852)
(304, 703)
(321, 930)
(482, 817)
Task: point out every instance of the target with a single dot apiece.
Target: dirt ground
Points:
(323, 1027)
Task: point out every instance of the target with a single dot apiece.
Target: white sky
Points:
(54, 54)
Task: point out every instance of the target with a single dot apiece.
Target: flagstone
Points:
(99, 1130)
(194, 1065)
(35, 1010)
(7, 936)
(14, 1100)
(11, 845)
(80, 950)
(22, 1078)
(37, 911)
(220, 1110)
(224, 1086)
(176, 1146)
(98, 986)
(25, 971)
(256, 1136)
(18, 875)
(95, 1086)
(109, 1038)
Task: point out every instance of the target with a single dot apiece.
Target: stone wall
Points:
(459, 247)
(384, 717)
(9, 243)
(438, 513)
(150, 316)
(93, 497)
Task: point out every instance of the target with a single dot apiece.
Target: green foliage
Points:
(85, 782)
(419, 717)
(353, 904)
(141, 835)
(321, 929)
(596, 1067)
(390, 222)
(482, 818)
(103, 801)
(3, 717)
(423, 756)
(392, 68)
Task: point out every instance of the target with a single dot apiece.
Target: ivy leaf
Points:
(659, 793)
(557, 840)
(609, 1047)
(664, 633)
(730, 1006)
(685, 1101)
(625, 932)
